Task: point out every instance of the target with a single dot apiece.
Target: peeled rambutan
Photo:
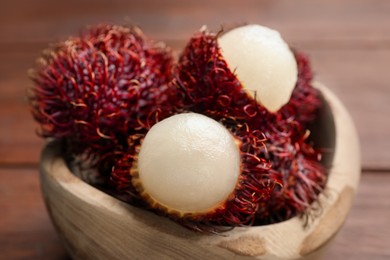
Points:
(198, 171)
(240, 157)
(97, 88)
(212, 85)
(250, 75)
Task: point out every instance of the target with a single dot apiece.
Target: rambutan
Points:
(212, 86)
(198, 171)
(98, 88)
(238, 154)
(305, 99)
(233, 87)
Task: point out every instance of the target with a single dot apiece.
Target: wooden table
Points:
(349, 45)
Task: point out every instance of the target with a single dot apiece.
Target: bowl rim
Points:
(256, 241)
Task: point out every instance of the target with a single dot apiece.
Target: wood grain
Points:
(174, 19)
(25, 228)
(77, 210)
(19, 143)
(361, 80)
(26, 233)
(349, 45)
(367, 230)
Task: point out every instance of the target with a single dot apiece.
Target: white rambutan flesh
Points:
(188, 163)
(263, 62)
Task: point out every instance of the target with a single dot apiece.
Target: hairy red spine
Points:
(98, 88)
(211, 88)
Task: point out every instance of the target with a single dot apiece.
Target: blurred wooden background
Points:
(349, 45)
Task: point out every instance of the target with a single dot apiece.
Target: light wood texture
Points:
(97, 226)
(26, 231)
(348, 42)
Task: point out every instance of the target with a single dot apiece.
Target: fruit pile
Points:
(217, 138)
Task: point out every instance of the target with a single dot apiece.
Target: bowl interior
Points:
(94, 225)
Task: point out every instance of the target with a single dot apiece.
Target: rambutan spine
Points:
(106, 88)
(256, 183)
(98, 88)
(211, 88)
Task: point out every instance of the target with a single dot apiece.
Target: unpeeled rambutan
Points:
(97, 88)
(107, 90)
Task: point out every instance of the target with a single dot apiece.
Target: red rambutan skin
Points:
(98, 88)
(211, 88)
(305, 100)
(255, 185)
(109, 86)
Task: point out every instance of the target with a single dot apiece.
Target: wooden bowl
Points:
(94, 225)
